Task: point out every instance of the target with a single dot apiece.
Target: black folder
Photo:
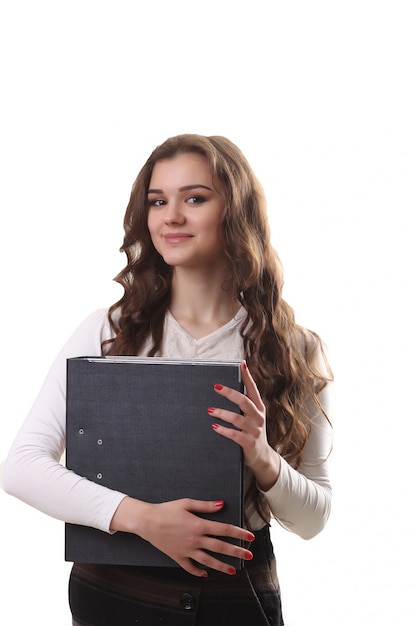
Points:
(141, 426)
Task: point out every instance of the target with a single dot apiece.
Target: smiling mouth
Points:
(176, 237)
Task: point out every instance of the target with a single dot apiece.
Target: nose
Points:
(173, 213)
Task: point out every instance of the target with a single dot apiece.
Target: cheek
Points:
(220, 233)
(214, 224)
(152, 224)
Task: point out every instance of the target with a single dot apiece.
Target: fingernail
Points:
(231, 570)
(210, 410)
(245, 367)
(251, 537)
(248, 555)
(218, 387)
(219, 503)
(204, 575)
(214, 426)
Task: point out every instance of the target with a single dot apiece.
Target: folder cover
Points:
(140, 426)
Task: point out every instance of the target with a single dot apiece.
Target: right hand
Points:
(173, 528)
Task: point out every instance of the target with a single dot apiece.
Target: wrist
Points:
(267, 470)
(131, 516)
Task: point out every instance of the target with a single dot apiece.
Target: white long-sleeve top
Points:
(299, 499)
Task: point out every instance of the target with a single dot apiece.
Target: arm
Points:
(33, 472)
(175, 529)
(299, 499)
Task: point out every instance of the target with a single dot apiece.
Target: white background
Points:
(321, 97)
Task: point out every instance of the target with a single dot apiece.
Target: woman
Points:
(201, 281)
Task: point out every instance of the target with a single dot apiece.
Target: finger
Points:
(202, 506)
(238, 420)
(250, 416)
(237, 436)
(211, 562)
(243, 402)
(217, 546)
(249, 404)
(221, 529)
(211, 527)
(252, 390)
(189, 567)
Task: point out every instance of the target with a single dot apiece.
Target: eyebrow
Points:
(186, 188)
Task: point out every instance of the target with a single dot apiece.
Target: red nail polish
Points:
(251, 537)
(219, 503)
(245, 367)
(218, 387)
(248, 555)
(214, 426)
(231, 570)
(204, 575)
(210, 410)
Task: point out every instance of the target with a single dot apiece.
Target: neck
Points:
(200, 304)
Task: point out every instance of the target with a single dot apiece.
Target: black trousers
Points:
(107, 595)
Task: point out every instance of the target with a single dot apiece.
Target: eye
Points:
(157, 202)
(196, 199)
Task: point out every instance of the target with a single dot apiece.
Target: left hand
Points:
(250, 429)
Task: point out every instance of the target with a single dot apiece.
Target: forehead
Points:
(180, 170)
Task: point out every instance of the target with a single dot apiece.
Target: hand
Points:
(251, 434)
(173, 528)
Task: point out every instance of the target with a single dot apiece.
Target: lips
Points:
(176, 237)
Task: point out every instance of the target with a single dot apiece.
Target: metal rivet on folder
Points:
(81, 431)
(99, 442)
(99, 475)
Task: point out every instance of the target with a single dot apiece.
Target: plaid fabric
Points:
(107, 595)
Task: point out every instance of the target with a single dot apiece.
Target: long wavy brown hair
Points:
(284, 358)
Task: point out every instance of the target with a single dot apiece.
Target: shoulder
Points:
(313, 351)
(87, 338)
(96, 322)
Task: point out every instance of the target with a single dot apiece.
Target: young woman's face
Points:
(185, 217)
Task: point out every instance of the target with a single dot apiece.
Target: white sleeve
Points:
(33, 472)
(301, 499)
